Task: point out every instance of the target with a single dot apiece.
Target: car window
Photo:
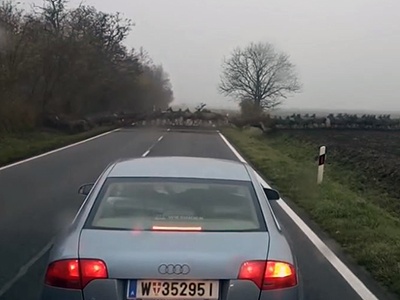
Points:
(148, 204)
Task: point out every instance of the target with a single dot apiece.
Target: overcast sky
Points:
(347, 52)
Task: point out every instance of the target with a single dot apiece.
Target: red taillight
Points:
(74, 273)
(269, 275)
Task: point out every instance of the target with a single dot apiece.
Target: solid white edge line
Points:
(57, 150)
(357, 285)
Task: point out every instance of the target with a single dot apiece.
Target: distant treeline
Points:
(59, 66)
(350, 121)
(306, 121)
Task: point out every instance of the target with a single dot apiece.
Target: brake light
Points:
(269, 275)
(175, 228)
(74, 273)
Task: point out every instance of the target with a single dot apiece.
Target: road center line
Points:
(152, 146)
(357, 285)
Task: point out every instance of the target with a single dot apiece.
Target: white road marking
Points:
(152, 146)
(22, 271)
(343, 270)
(353, 281)
(57, 150)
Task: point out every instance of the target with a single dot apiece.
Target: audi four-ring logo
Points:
(171, 269)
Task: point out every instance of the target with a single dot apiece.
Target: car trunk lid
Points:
(147, 254)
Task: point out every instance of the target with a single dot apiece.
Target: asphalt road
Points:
(39, 197)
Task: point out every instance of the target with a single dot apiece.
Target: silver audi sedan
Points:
(166, 228)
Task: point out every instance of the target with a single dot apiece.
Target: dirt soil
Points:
(373, 155)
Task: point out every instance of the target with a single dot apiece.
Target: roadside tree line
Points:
(345, 121)
(68, 68)
(297, 121)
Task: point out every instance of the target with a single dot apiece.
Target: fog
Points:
(346, 52)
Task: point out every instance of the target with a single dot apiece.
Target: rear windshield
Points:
(184, 204)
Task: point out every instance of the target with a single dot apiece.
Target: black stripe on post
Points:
(321, 159)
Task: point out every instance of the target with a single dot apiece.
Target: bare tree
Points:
(259, 74)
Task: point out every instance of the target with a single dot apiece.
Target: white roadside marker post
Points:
(321, 164)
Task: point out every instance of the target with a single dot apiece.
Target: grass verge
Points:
(14, 148)
(369, 233)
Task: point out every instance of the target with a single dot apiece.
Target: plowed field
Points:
(373, 155)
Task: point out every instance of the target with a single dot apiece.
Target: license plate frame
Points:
(134, 289)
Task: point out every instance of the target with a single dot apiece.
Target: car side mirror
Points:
(271, 194)
(85, 189)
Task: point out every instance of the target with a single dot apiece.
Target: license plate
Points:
(173, 289)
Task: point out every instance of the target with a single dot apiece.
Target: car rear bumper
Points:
(109, 289)
(283, 294)
(52, 293)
